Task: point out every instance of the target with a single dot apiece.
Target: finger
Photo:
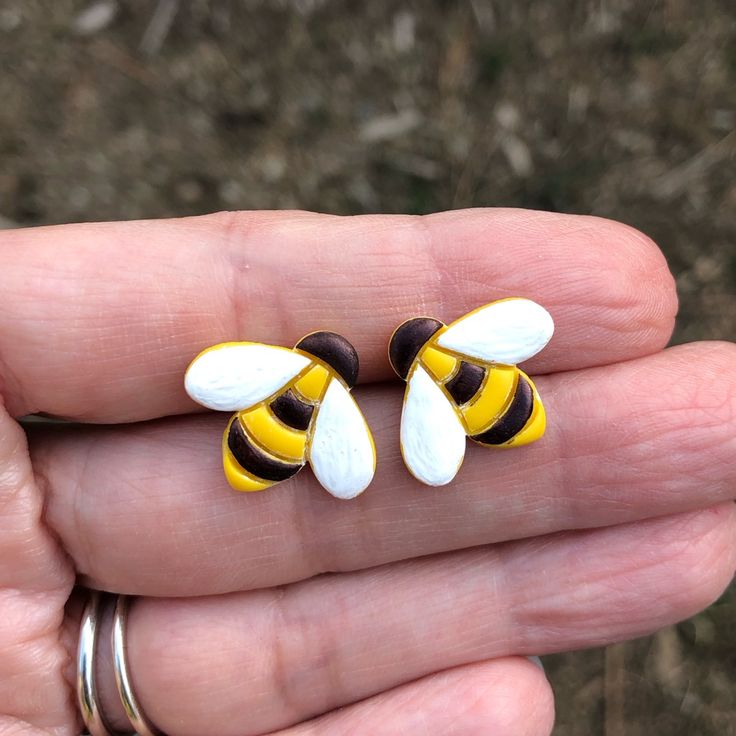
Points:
(98, 322)
(35, 581)
(503, 697)
(273, 658)
(146, 509)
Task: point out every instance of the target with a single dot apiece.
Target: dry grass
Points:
(624, 109)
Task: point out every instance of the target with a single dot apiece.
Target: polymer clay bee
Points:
(462, 380)
(293, 406)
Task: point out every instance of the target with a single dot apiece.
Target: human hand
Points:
(618, 522)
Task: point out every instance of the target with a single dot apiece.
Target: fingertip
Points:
(508, 696)
(633, 273)
(651, 275)
(704, 557)
(511, 694)
(674, 567)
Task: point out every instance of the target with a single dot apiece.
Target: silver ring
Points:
(141, 724)
(86, 683)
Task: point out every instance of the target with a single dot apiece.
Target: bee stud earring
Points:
(462, 380)
(293, 406)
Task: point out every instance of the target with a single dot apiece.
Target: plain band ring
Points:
(141, 724)
(86, 684)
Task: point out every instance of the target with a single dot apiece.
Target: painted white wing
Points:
(432, 436)
(509, 331)
(236, 375)
(341, 452)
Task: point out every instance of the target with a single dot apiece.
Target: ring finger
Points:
(248, 663)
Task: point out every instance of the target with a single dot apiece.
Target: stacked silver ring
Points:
(92, 715)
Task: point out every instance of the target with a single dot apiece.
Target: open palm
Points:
(403, 611)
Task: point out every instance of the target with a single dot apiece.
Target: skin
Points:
(288, 611)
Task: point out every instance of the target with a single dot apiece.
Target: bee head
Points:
(334, 350)
(408, 339)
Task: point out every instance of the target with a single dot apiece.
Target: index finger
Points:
(98, 322)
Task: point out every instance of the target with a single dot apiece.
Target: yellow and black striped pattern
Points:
(267, 443)
(498, 404)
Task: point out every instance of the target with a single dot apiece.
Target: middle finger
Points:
(144, 509)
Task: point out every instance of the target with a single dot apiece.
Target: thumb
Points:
(35, 582)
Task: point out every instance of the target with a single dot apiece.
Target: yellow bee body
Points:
(498, 404)
(291, 406)
(462, 380)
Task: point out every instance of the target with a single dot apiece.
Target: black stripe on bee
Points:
(334, 350)
(253, 460)
(466, 382)
(292, 411)
(515, 418)
(409, 338)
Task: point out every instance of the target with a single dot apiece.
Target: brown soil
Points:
(620, 108)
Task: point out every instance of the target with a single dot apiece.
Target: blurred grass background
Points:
(622, 108)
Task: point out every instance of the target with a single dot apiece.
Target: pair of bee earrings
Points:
(294, 405)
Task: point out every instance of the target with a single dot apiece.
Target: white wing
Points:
(341, 452)
(509, 331)
(234, 376)
(432, 436)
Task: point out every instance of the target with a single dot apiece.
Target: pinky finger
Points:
(503, 697)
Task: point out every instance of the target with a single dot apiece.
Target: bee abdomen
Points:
(514, 418)
(253, 460)
(466, 382)
(292, 411)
